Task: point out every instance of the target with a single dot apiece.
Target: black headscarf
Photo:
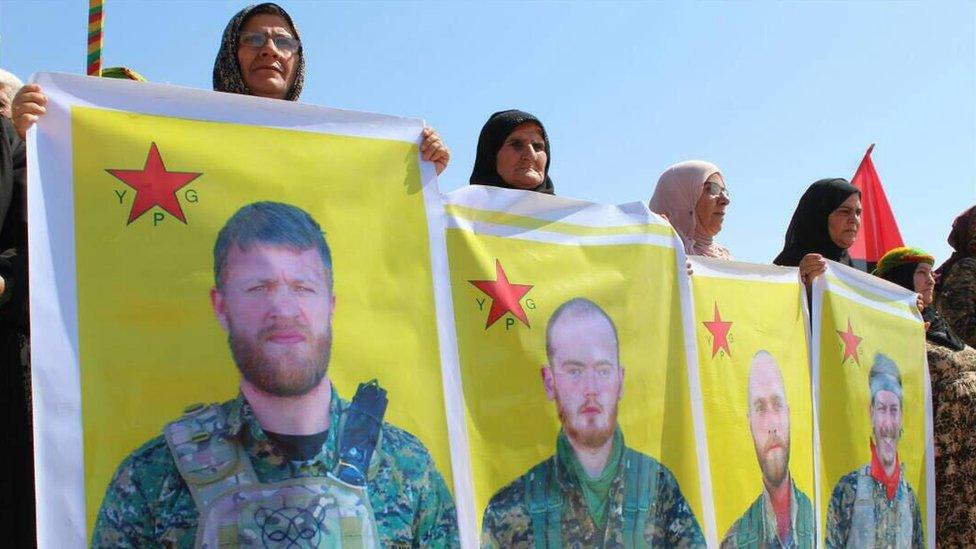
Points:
(227, 76)
(808, 232)
(493, 135)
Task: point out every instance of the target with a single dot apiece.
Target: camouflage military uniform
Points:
(953, 375)
(957, 299)
(841, 509)
(669, 523)
(757, 526)
(148, 503)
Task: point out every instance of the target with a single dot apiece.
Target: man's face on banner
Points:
(769, 419)
(276, 305)
(584, 378)
(886, 422)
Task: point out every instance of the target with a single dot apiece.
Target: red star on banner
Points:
(155, 186)
(720, 333)
(504, 296)
(851, 342)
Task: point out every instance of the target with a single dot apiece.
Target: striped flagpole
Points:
(95, 18)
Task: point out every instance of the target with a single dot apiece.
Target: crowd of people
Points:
(261, 54)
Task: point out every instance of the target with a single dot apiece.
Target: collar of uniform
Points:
(770, 531)
(242, 422)
(564, 474)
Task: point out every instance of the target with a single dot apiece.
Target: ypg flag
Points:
(753, 371)
(573, 372)
(874, 416)
(130, 185)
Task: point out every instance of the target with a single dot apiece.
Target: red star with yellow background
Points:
(504, 295)
(154, 186)
(851, 341)
(720, 332)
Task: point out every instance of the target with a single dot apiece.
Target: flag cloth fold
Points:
(879, 230)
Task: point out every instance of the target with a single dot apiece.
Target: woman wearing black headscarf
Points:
(824, 226)
(513, 152)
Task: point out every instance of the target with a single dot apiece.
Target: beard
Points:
(591, 432)
(774, 468)
(292, 373)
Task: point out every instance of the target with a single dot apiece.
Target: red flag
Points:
(879, 230)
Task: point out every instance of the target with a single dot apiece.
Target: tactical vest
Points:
(237, 510)
(544, 499)
(864, 522)
(751, 527)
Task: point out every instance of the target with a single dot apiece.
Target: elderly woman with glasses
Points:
(260, 54)
(693, 197)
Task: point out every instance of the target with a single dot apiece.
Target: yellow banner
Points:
(750, 327)
(613, 355)
(872, 411)
(149, 340)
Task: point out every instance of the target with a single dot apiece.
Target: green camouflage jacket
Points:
(841, 508)
(757, 526)
(148, 504)
(670, 522)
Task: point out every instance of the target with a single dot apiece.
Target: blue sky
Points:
(777, 94)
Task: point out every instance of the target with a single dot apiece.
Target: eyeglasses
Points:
(284, 44)
(714, 189)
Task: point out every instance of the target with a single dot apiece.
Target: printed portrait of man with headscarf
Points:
(874, 506)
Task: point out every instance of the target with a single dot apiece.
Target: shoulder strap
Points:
(805, 529)
(359, 433)
(749, 528)
(640, 485)
(906, 518)
(208, 458)
(544, 500)
(862, 517)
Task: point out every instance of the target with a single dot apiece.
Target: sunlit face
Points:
(584, 378)
(267, 71)
(276, 305)
(924, 282)
(710, 208)
(769, 420)
(886, 423)
(521, 161)
(844, 222)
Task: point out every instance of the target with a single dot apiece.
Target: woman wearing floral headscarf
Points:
(956, 286)
(261, 54)
(952, 370)
(693, 197)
